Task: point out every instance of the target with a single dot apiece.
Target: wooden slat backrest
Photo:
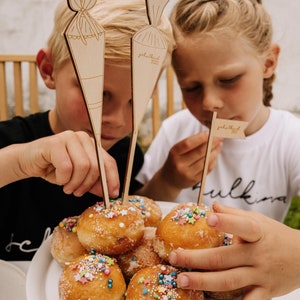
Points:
(158, 111)
(18, 62)
(170, 91)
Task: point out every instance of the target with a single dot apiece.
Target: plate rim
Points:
(43, 260)
(14, 267)
(15, 270)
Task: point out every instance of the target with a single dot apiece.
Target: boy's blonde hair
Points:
(246, 19)
(120, 20)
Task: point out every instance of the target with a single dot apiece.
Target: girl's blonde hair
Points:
(246, 19)
(120, 20)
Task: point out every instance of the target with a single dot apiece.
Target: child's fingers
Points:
(236, 222)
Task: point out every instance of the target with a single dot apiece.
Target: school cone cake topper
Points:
(148, 52)
(229, 129)
(86, 42)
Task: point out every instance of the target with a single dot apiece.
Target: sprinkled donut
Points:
(92, 277)
(237, 294)
(65, 245)
(112, 230)
(159, 282)
(150, 209)
(185, 227)
(140, 257)
(226, 295)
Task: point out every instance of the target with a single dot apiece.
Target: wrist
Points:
(9, 161)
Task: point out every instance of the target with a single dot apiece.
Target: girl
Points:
(225, 62)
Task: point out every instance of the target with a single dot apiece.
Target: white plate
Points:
(12, 282)
(43, 273)
(295, 295)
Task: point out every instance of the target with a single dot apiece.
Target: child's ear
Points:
(271, 60)
(44, 63)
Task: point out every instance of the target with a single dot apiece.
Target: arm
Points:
(182, 168)
(67, 159)
(266, 256)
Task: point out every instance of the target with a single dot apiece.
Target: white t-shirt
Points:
(260, 173)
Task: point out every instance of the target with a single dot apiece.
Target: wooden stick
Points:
(90, 73)
(148, 52)
(130, 160)
(206, 160)
(102, 176)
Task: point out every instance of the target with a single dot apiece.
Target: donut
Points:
(65, 245)
(150, 209)
(158, 282)
(112, 230)
(92, 277)
(226, 295)
(237, 294)
(185, 227)
(140, 257)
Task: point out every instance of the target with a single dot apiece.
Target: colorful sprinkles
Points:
(228, 237)
(69, 224)
(116, 209)
(189, 215)
(161, 286)
(90, 266)
(141, 204)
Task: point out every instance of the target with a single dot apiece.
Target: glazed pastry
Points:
(150, 209)
(185, 227)
(92, 277)
(159, 282)
(110, 231)
(65, 245)
(140, 257)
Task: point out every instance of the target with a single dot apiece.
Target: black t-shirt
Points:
(31, 208)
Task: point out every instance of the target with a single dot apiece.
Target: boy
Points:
(33, 207)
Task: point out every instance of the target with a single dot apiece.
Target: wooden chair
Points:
(157, 117)
(18, 62)
(162, 105)
(162, 108)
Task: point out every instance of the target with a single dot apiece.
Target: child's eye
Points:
(191, 89)
(76, 83)
(106, 95)
(230, 80)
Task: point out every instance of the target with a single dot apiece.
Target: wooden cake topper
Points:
(86, 42)
(148, 52)
(229, 129)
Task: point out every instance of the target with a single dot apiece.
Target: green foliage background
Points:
(292, 219)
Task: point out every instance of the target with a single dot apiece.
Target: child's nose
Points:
(211, 101)
(116, 117)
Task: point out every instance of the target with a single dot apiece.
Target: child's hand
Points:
(265, 258)
(68, 159)
(184, 165)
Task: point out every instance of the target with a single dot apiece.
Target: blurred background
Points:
(26, 24)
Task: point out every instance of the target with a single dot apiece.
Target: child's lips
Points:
(206, 123)
(103, 136)
(107, 137)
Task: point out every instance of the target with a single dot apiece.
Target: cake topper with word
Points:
(230, 129)
(148, 52)
(86, 42)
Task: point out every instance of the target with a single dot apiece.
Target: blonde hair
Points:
(246, 19)
(120, 20)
